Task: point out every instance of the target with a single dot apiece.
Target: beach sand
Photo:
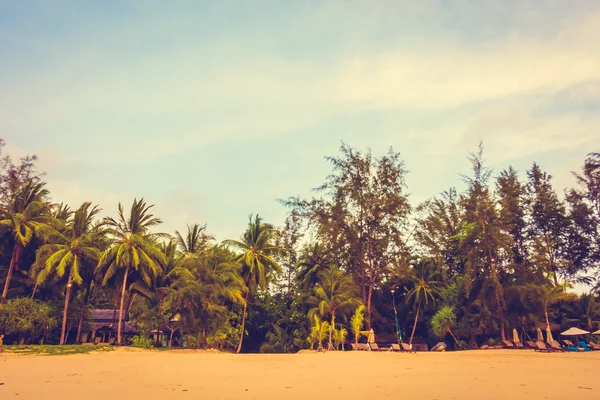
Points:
(127, 374)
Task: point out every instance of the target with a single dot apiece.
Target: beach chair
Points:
(584, 346)
(556, 346)
(531, 344)
(396, 348)
(359, 347)
(375, 347)
(97, 340)
(508, 344)
(594, 346)
(519, 345)
(541, 346)
(112, 340)
(484, 347)
(406, 348)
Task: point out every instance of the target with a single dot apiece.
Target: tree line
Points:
(465, 267)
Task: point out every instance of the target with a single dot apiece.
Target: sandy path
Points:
(499, 374)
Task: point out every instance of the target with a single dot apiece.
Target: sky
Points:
(212, 110)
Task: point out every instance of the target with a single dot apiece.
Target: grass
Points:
(54, 350)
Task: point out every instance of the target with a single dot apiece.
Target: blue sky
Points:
(212, 110)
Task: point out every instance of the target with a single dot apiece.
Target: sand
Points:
(124, 374)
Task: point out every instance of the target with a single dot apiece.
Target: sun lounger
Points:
(556, 346)
(584, 346)
(519, 345)
(359, 347)
(508, 344)
(406, 348)
(375, 347)
(541, 346)
(396, 348)
(594, 346)
(531, 344)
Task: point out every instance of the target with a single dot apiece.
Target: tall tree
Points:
(133, 249)
(74, 253)
(548, 223)
(335, 293)
(257, 260)
(26, 217)
(425, 289)
(363, 217)
(482, 239)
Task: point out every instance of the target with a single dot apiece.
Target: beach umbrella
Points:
(549, 338)
(540, 337)
(371, 336)
(516, 336)
(597, 332)
(574, 332)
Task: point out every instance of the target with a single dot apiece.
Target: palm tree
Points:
(28, 216)
(335, 293)
(425, 289)
(318, 332)
(443, 321)
(546, 295)
(339, 338)
(195, 241)
(312, 261)
(134, 248)
(258, 264)
(356, 322)
(76, 252)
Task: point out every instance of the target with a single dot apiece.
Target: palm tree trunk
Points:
(34, 290)
(14, 260)
(66, 309)
(83, 309)
(331, 329)
(415, 323)
(239, 348)
(120, 328)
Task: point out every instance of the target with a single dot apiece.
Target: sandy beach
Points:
(125, 374)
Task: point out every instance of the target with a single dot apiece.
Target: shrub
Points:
(141, 342)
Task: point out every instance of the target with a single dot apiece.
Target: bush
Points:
(492, 342)
(462, 345)
(142, 342)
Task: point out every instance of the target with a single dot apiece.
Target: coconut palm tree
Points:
(312, 261)
(356, 322)
(75, 252)
(26, 217)
(318, 332)
(425, 290)
(546, 295)
(335, 293)
(134, 250)
(195, 241)
(258, 264)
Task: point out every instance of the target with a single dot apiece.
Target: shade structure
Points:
(540, 336)
(574, 332)
(549, 338)
(371, 336)
(597, 332)
(516, 336)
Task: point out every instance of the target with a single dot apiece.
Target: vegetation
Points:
(467, 267)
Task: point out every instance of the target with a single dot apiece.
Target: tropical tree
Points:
(546, 295)
(443, 321)
(318, 332)
(425, 289)
(134, 249)
(335, 293)
(356, 322)
(339, 337)
(195, 242)
(313, 260)
(75, 252)
(26, 217)
(258, 264)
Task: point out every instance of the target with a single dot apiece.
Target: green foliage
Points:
(142, 342)
(443, 321)
(356, 322)
(27, 318)
(50, 350)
